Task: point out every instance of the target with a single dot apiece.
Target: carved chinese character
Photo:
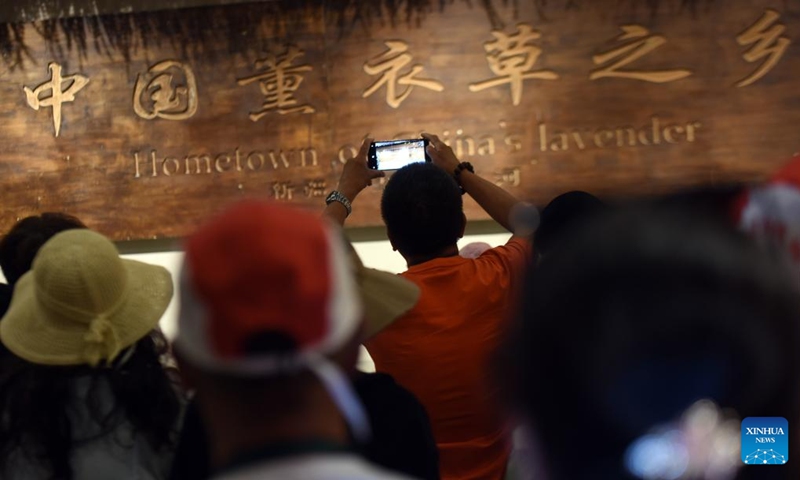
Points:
(388, 65)
(283, 190)
(315, 188)
(509, 177)
(278, 82)
(511, 58)
(642, 43)
(767, 43)
(168, 90)
(61, 90)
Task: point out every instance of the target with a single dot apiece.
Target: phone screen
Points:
(396, 154)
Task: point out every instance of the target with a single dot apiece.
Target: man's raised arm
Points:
(356, 176)
(497, 202)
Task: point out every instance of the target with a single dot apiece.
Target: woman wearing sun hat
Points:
(87, 396)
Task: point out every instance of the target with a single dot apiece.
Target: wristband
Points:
(336, 196)
(457, 173)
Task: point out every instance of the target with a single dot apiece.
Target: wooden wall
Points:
(604, 98)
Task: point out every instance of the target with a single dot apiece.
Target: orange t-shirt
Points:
(441, 349)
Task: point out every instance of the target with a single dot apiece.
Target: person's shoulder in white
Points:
(313, 467)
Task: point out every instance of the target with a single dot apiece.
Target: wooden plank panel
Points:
(133, 177)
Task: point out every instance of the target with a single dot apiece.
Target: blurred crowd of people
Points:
(604, 340)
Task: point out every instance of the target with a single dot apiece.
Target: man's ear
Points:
(463, 225)
(391, 240)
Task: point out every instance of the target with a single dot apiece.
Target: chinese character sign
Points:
(511, 58)
(764, 38)
(283, 191)
(167, 90)
(389, 65)
(641, 44)
(278, 80)
(315, 188)
(616, 102)
(58, 91)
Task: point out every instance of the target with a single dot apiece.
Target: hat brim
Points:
(386, 297)
(42, 336)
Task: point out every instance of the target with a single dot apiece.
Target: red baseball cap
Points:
(264, 269)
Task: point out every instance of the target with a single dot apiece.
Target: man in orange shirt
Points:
(440, 350)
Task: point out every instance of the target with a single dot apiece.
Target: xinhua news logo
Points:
(765, 441)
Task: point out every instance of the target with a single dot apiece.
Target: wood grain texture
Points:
(610, 136)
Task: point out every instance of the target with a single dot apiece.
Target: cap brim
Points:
(386, 297)
(45, 337)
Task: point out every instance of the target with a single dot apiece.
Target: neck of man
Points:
(450, 251)
(236, 429)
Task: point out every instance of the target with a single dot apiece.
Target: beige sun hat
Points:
(83, 304)
(385, 296)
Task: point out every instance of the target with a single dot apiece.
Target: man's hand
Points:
(441, 155)
(494, 200)
(356, 175)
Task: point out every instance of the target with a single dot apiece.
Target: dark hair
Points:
(563, 214)
(20, 245)
(641, 314)
(35, 401)
(422, 209)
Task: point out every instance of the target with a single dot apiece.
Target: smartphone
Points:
(396, 154)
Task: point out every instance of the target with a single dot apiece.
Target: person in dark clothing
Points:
(20, 245)
(5, 298)
(563, 214)
(402, 437)
(287, 401)
(641, 319)
(85, 390)
(402, 440)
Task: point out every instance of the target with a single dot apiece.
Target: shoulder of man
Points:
(514, 255)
